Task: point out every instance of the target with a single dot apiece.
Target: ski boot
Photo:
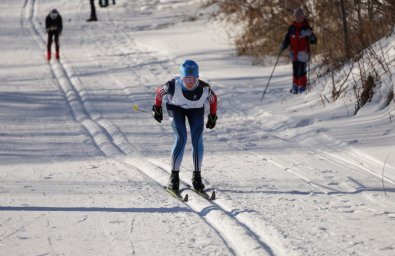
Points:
(302, 89)
(197, 181)
(174, 181)
(57, 55)
(91, 19)
(48, 55)
(294, 89)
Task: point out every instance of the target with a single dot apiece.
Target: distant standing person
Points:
(299, 37)
(93, 11)
(185, 98)
(53, 26)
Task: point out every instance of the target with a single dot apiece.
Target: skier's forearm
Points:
(160, 92)
(158, 102)
(213, 104)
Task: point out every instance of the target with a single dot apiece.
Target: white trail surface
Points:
(81, 173)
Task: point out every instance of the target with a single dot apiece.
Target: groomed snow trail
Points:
(288, 183)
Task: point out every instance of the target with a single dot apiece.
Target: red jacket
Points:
(299, 37)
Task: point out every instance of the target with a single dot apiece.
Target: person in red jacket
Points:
(299, 37)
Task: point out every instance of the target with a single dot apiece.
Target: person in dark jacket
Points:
(54, 27)
(93, 12)
(299, 37)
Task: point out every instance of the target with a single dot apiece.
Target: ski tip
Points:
(176, 194)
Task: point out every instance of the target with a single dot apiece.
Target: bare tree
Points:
(345, 30)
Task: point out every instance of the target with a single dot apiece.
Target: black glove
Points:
(312, 39)
(157, 113)
(211, 120)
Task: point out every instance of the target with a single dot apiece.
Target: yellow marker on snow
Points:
(136, 108)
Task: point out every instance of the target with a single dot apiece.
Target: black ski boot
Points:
(197, 181)
(174, 182)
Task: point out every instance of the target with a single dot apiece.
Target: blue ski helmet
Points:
(189, 68)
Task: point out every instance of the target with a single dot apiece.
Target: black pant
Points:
(104, 3)
(299, 69)
(299, 74)
(52, 35)
(93, 9)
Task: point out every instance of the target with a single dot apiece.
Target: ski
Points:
(176, 195)
(204, 194)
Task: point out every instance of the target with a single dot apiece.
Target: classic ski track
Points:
(102, 132)
(26, 16)
(108, 138)
(367, 166)
(239, 237)
(297, 172)
(359, 162)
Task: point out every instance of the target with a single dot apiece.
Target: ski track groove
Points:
(110, 141)
(237, 238)
(361, 165)
(27, 14)
(358, 163)
(101, 131)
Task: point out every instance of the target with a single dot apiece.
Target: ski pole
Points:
(309, 69)
(136, 108)
(308, 75)
(264, 92)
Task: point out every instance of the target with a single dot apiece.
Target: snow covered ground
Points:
(81, 172)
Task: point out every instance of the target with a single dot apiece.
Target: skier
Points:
(54, 26)
(93, 11)
(186, 95)
(299, 37)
